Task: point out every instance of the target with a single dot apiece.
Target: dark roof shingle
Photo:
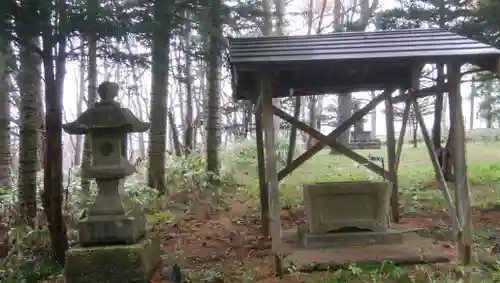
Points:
(356, 45)
(347, 62)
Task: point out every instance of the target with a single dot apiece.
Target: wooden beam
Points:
(271, 171)
(401, 138)
(461, 181)
(391, 157)
(360, 159)
(261, 170)
(333, 143)
(333, 135)
(428, 91)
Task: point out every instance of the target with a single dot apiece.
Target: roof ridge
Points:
(344, 33)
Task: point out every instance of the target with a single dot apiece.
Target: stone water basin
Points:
(358, 205)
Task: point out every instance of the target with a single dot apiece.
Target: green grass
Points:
(415, 169)
(415, 174)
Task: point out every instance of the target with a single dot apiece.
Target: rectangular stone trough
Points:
(349, 222)
(362, 205)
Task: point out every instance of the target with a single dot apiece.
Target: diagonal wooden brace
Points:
(437, 169)
(334, 134)
(333, 143)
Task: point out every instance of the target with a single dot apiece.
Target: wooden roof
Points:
(347, 62)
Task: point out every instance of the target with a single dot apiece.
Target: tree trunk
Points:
(137, 102)
(30, 89)
(415, 131)
(188, 135)
(344, 112)
(5, 154)
(293, 132)
(267, 30)
(444, 116)
(52, 196)
(373, 118)
(312, 118)
(93, 8)
(159, 84)
(319, 112)
(471, 113)
(438, 108)
(213, 82)
(77, 160)
(247, 118)
(175, 134)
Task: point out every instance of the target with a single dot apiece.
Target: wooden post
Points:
(293, 131)
(271, 170)
(391, 156)
(401, 138)
(261, 169)
(459, 165)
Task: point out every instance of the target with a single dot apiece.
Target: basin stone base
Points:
(310, 240)
(413, 249)
(134, 263)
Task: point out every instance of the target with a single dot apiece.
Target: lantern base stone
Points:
(112, 229)
(134, 263)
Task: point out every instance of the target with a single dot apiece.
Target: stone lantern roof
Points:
(106, 117)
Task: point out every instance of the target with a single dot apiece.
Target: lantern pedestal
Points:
(113, 264)
(112, 229)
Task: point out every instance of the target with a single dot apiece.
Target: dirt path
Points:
(227, 245)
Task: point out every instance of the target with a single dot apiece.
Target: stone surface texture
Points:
(413, 250)
(332, 206)
(112, 235)
(134, 263)
(307, 239)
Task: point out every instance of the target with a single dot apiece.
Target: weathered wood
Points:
(261, 170)
(401, 138)
(437, 169)
(431, 150)
(333, 144)
(333, 135)
(271, 171)
(459, 165)
(424, 92)
(391, 157)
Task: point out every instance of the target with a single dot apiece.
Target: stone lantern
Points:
(113, 243)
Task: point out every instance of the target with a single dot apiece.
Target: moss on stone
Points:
(113, 264)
